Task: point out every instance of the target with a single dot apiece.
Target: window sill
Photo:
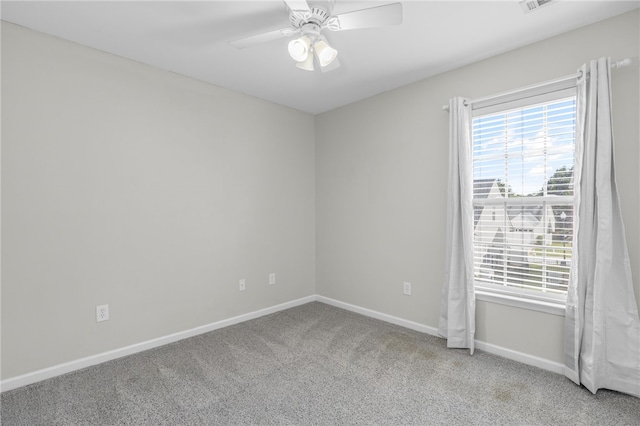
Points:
(519, 302)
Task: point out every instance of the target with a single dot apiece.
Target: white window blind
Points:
(523, 159)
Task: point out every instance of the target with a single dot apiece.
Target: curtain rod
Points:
(618, 64)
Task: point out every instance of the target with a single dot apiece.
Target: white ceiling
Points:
(191, 38)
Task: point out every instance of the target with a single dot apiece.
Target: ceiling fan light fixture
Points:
(309, 18)
(326, 54)
(307, 64)
(299, 48)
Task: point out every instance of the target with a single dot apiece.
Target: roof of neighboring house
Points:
(526, 217)
(525, 220)
(522, 214)
(482, 187)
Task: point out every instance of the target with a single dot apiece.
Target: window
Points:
(523, 160)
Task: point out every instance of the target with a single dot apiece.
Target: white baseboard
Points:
(57, 370)
(67, 367)
(524, 358)
(379, 315)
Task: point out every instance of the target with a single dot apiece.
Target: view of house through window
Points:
(523, 161)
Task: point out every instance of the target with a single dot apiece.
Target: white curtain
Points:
(458, 305)
(602, 329)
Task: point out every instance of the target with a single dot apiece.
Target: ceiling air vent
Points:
(531, 5)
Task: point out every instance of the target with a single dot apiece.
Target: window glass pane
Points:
(523, 197)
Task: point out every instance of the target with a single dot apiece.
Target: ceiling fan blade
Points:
(262, 38)
(298, 5)
(299, 8)
(378, 16)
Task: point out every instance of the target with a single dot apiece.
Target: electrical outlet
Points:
(242, 285)
(102, 313)
(407, 288)
(272, 278)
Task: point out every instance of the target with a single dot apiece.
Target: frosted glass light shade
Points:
(326, 54)
(307, 64)
(299, 48)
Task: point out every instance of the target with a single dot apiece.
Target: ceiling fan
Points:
(308, 20)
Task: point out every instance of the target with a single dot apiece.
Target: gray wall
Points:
(381, 171)
(152, 192)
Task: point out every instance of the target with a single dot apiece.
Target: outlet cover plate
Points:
(407, 288)
(242, 284)
(272, 278)
(102, 313)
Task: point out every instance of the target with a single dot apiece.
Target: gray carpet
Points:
(313, 364)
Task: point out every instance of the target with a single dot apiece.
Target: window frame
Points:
(512, 296)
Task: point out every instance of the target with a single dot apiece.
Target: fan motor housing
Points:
(299, 18)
